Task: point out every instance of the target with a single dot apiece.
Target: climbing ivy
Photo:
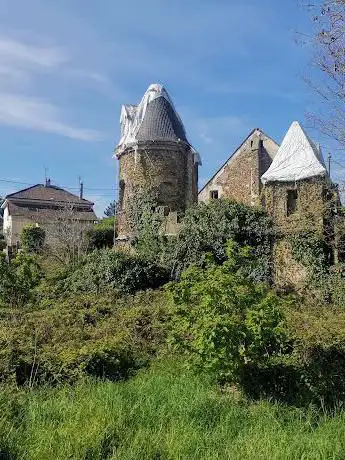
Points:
(310, 250)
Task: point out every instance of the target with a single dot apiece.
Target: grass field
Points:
(162, 413)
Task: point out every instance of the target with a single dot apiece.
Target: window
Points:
(291, 202)
(121, 193)
(214, 194)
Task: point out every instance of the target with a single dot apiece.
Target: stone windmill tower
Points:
(155, 154)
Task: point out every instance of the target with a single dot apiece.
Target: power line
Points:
(114, 189)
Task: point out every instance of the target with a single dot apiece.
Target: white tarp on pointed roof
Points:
(151, 120)
(297, 158)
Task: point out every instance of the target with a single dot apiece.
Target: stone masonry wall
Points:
(167, 167)
(239, 178)
(312, 207)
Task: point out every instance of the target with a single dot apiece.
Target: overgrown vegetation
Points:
(64, 341)
(203, 299)
(32, 238)
(207, 227)
(222, 322)
(101, 235)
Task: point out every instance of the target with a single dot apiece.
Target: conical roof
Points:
(297, 158)
(155, 118)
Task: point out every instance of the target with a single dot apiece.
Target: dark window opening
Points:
(214, 194)
(261, 144)
(291, 204)
(163, 210)
(121, 193)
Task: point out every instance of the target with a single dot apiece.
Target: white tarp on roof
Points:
(132, 117)
(297, 158)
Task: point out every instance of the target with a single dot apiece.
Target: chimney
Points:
(81, 190)
(48, 182)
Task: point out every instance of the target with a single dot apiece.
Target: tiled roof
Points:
(42, 212)
(48, 193)
(160, 122)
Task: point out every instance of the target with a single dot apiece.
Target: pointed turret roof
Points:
(155, 118)
(297, 158)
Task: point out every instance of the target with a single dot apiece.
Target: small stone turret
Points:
(155, 154)
(300, 197)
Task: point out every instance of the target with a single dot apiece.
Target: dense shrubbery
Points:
(18, 279)
(108, 269)
(207, 227)
(32, 238)
(3, 243)
(83, 335)
(224, 317)
(222, 321)
(101, 235)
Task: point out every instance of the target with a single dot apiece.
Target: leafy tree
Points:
(18, 279)
(110, 210)
(32, 238)
(221, 321)
(66, 234)
(207, 227)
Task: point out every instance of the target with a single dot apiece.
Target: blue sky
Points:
(67, 66)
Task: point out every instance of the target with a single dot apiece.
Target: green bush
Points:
(207, 227)
(221, 321)
(108, 269)
(32, 238)
(83, 335)
(18, 279)
(101, 235)
(3, 243)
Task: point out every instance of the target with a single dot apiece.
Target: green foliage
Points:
(336, 285)
(32, 238)
(81, 336)
(146, 224)
(110, 210)
(18, 279)
(3, 243)
(164, 413)
(318, 334)
(207, 227)
(109, 269)
(311, 251)
(222, 321)
(101, 235)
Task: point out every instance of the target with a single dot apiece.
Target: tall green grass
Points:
(163, 413)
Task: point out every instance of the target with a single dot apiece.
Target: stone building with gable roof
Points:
(292, 183)
(40, 205)
(239, 178)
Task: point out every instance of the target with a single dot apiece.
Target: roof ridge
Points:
(236, 150)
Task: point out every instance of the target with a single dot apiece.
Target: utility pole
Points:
(329, 164)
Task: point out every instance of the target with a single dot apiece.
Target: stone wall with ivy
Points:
(167, 168)
(305, 240)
